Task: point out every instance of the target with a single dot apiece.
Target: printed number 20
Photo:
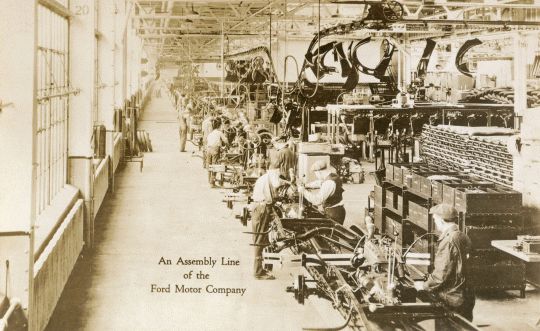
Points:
(82, 10)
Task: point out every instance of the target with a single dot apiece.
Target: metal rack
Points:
(337, 116)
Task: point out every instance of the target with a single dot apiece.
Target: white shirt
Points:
(264, 184)
(207, 126)
(216, 138)
(328, 187)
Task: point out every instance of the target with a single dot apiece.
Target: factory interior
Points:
(270, 165)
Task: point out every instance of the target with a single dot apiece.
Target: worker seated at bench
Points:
(329, 197)
(448, 281)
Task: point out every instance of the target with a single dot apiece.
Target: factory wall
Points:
(103, 69)
(17, 127)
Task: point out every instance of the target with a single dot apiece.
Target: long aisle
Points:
(169, 211)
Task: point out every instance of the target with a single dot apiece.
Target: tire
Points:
(392, 11)
(149, 142)
(140, 141)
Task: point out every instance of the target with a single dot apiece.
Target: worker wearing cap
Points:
(284, 157)
(448, 280)
(329, 198)
(264, 193)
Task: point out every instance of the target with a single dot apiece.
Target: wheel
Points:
(140, 141)
(266, 137)
(149, 143)
(252, 143)
(392, 11)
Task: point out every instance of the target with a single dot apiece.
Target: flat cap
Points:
(319, 165)
(445, 211)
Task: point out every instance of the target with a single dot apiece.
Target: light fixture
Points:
(312, 21)
(336, 15)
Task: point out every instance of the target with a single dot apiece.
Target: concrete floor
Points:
(168, 211)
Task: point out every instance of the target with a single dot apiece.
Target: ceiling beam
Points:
(203, 34)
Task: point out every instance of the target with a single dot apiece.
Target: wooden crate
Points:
(449, 188)
(418, 215)
(492, 200)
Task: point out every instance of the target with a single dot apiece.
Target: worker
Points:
(183, 118)
(215, 140)
(226, 128)
(206, 125)
(329, 198)
(448, 281)
(206, 128)
(285, 157)
(178, 97)
(242, 118)
(264, 193)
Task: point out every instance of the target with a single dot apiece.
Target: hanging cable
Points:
(270, 32)
(318, 54)
(404, 255)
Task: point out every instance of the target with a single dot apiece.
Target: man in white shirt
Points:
(264, 193)
(206, 125)
(329, 198)
(206, 128)
(178, 99)
(215, 140)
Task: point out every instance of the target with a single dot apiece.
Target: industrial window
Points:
(52, 107)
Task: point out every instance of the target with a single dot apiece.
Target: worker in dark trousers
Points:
(183, 117)
(215, 140)
(329, 198)
(448, 283)
(183, 133)
(264, 192)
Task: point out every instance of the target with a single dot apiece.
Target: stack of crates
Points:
(488, 211)
(483, 156)
(490, 159)
(445, 147)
